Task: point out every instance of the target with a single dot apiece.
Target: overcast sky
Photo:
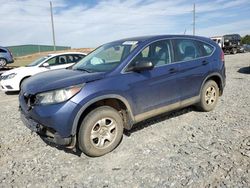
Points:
(89, 23)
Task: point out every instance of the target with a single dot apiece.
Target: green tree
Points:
(245, 39)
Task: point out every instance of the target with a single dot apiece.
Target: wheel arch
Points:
(21, 81)
(217, 78)
(116, 101)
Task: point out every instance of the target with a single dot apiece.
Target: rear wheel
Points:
(3, 62)
(100, 132)
(209, 96)
(234, 51)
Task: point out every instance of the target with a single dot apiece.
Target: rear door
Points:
(194, 61)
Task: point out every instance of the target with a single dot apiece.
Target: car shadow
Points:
(163, 117)
(244, 70)
(137, 127)
(12, 92)
(74, 151)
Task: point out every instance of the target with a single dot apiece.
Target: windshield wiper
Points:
(83, 69)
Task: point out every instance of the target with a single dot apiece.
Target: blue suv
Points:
(119, 84)
(5, 57)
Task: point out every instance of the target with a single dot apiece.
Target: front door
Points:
(153, 89)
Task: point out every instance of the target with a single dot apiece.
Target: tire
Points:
(3, 62)
(96, 137)
(234, 51)
(209, 96)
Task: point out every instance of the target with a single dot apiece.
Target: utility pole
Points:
(194, 20)
(52, 23)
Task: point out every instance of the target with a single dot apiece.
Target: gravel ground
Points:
(186, 148)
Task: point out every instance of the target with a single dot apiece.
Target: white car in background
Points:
(11, 80)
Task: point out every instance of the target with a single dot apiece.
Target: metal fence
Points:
(23, 50)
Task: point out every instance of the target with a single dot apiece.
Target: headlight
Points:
(57, 96)
(12, 75)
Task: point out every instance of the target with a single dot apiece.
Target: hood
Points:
(16, 70)
(57, 79)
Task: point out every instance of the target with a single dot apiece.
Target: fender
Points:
(211, 75)
(108, 96)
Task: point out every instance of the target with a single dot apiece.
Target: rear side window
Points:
(207, 49)
(74, 58)
(188, 49)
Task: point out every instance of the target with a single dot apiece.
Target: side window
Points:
(159, 53)
(74, 58)
(70, 59)
(207, 49)
(52, 61)
(186, 49)
(80, 57)
(61, 60)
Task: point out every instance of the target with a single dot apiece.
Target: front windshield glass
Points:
(106, 57)
(228, 37)
(37, 62)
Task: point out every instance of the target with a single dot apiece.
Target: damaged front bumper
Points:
(48, 134)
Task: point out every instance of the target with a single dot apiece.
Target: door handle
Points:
(173, 70)
(205, 62)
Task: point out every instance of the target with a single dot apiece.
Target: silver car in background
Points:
(5, 57)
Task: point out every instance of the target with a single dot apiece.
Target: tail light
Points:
(222, 57)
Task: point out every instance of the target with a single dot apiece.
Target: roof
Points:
(158, 37)
(66, 53)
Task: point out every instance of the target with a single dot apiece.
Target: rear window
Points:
(2, 50)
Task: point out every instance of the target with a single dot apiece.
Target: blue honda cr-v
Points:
(119, 84)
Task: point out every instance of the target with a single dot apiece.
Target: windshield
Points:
(228, 37)
(37, 62)
(232, 37)
(106, 57)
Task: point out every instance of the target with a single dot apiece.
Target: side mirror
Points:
(142, 66)
(46, 65)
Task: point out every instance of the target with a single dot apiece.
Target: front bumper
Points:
(52, 122)
(46, 133)
(9, 85)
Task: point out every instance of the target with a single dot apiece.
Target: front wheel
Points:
(209, 96)
(100, 132)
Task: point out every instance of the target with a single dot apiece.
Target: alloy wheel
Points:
(210, 95)
(103, 133)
